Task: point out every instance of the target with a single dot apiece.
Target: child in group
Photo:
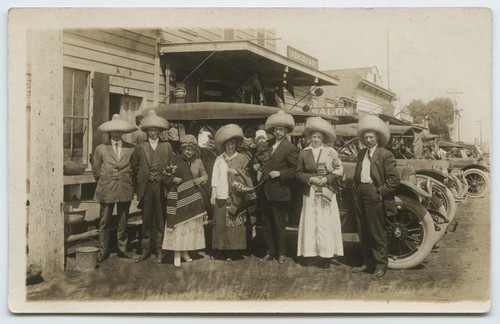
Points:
(261, 153)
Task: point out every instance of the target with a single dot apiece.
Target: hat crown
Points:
(116, 117)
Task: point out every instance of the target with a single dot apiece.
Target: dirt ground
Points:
(457, 269)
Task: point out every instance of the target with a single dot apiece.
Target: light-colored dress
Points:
(188, 236)
(320, 226)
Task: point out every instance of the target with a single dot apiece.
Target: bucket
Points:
(86, 258)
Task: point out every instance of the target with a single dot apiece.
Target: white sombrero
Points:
(374, 123)
(320, 125)
(226, 133)
(152, 120)
(116, 124)
(280, 119)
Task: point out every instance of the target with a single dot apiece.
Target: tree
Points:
(439, 113)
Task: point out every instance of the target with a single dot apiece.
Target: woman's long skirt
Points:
(319, 228)
(223, 237)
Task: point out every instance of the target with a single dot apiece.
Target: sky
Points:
(430, 53)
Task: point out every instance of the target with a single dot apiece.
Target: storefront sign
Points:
(301, 57)
(338, 111)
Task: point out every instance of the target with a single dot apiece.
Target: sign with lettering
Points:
(337, 111)
(301, 57)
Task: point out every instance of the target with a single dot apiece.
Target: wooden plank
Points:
(118, 50)
(82, 236)
(109, 68)
(114, 37)
(78, 179)
(132, 36)
(46, 217)
(213, 34)
(98, 57)
(175, 36)
(245, 33)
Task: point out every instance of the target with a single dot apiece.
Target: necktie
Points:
(116, 150)
(369, 155)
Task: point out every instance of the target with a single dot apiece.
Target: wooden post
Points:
(156, 81)
(46, 217)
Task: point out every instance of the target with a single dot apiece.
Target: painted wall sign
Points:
(338, 111)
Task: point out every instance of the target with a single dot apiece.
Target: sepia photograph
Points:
(249, 160)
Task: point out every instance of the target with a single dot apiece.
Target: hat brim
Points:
(374, 124)
(117, 126)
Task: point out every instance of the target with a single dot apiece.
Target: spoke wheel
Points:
(478, 182)
(410, 234)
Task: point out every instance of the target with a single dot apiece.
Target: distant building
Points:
(360, 89)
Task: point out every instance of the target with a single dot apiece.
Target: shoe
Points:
(142, 258)
(102, 257)
(363, 268)
(267, 258)
(124, 255)
(186, 257)
(282, 259)
(159, 256)
(378, 274)
(177, 262)
(325, 264)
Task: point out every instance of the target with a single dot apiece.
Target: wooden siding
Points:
(128, 56)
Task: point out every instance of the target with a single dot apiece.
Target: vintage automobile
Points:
(412, 231)
(468, 159)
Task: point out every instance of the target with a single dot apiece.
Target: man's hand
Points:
(274, 174)
(212, 199)
(177, 181)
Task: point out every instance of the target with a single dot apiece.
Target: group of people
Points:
(175, 207)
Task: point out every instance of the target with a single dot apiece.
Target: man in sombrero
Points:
(375, 181)
(151, 165)
(113, 174)
(277, 178)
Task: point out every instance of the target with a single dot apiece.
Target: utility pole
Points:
(480, 133)
(456, 114)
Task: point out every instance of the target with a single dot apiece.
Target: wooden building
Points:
(77, 79)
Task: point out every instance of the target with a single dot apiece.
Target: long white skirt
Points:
(189, 236)
(319, 228)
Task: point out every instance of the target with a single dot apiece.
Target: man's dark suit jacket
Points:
(140, 164)
(384, 174)
(284, 160)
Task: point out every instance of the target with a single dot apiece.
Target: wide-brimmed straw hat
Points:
(226, 133)
(375, 124)
(152, 120)
(280, 119)
(116, 124)
(318, 124)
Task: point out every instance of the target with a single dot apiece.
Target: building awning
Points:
(234, 61)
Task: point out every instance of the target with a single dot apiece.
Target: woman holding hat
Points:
(186, 213)
(113, 174)
(232, 195)
(151, 163)
(320, 170)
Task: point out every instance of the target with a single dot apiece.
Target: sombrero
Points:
(153, 120)
(280, 119)
(116, 124)
(226, 133)
(320, 125)
(374, 123)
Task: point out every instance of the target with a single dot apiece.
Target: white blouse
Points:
(219, 176)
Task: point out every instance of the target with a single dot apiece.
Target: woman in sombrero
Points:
(186, 212)
(320, 170)
(233, 198)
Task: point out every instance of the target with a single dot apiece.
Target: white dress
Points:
(320, 227)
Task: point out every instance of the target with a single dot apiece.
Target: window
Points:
(76, 96)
